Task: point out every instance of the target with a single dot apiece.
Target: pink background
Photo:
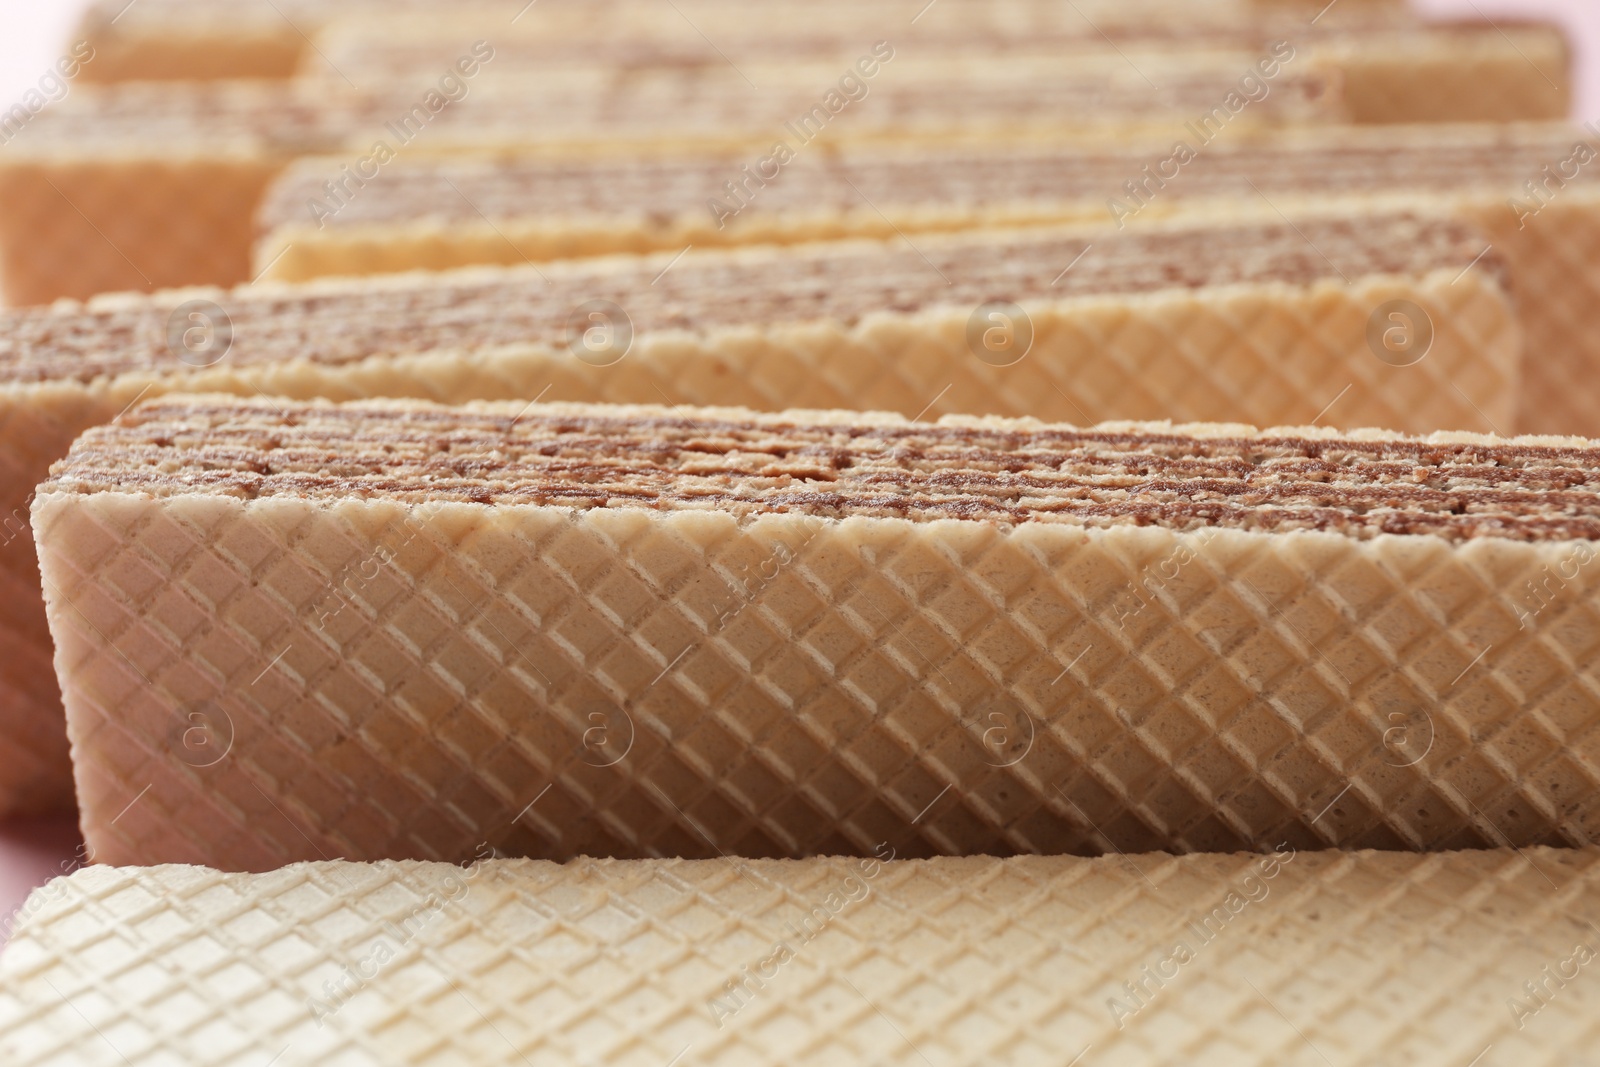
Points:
(32, 35)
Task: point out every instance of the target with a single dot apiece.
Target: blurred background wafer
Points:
(149, 184)
(1388, 65)
(152, 185)
(196, 40)
(321, 216)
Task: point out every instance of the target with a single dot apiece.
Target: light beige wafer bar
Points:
(139, 187)
(1530, 189)
(209, 39)
(138, 191)
(410, 41)
(1287, 959)
(206, 40)
(433, 213)
(150, 185)
(395, 630)
(1234, 321)
(1467, 72)
(1387, 68)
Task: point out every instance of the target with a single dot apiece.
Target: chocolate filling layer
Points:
(585, 456)
(839, 283)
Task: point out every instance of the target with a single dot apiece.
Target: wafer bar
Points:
(393, 630)
(140, 187)
(1282, 958)
(441, 212)
(1465, 72)
(1386, 69)
(148, 185)
(1153, 324)
(415, 42)
(1527, 187)
(212, 39)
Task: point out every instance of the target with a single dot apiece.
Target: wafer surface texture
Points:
(1281, 958)
(383, 630)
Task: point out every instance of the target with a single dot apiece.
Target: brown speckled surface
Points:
(586, 456)
(341, 324)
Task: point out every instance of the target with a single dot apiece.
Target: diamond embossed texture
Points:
(1276, 959)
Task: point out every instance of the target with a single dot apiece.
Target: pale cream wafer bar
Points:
(1232, 321)
(822, 26)
(1464, 72)
(395, 630)
(321, 217)
(1281, 958)
(1387, 69)
(147, 185)
(215, 39)
(1528, 187)
(414, 42)
(140, 187)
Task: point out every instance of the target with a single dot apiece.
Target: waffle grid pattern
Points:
(1273, 357)
(75, 229)
(1247, 701)
(1342, 958)
(1557, 281)
(33, 750)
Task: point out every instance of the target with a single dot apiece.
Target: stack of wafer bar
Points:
(402, 629)
(1240, 320)
(143, 188)
(1152, 961)
(1526, 187)
(958, 439)
(153, 185)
